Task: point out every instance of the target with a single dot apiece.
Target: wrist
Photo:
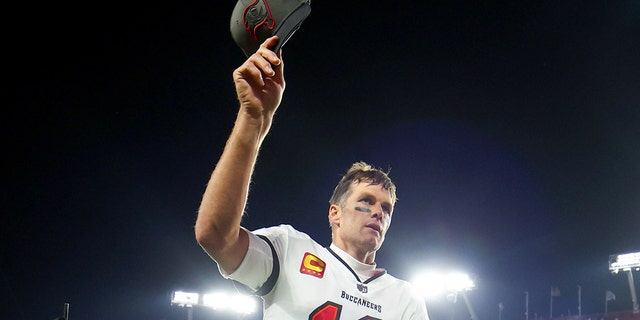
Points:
(252, 126)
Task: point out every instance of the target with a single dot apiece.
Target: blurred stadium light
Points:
(219, 301)
(627, 262)
(235, 303)
(432, 284)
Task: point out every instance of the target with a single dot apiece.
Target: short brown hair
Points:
(362, 172)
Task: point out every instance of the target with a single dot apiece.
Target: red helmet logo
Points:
(256, 15)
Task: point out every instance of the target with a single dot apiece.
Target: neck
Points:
(362, 256)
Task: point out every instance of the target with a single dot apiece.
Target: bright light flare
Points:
(185, 299)
(429, 284)
(624, 262)
(236, 303)
(459, 282)
(432, 284)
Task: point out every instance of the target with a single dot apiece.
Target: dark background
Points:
(510, 127)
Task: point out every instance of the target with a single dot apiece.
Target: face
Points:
(363, 220)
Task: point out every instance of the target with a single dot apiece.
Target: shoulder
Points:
(397, 281)
(404, 286)
(283, 230)
(289, 243)
(284, 235)
(408, 293)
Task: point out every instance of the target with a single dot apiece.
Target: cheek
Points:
(387, 221)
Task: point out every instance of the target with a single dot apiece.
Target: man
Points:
(297, 277)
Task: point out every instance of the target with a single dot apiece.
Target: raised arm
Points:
(259, 85)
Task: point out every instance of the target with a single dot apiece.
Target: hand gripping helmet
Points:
(254, 21)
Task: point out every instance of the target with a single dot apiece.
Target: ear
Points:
(334, 214)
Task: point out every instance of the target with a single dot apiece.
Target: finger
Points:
(267, 53)
(260, 62)
(270, 42)
(279, 68)
(251, 73)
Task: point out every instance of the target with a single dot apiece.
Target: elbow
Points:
(201, 234)
(206, 237)
(211, 238)
(215, 230)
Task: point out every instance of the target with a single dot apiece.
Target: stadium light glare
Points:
(219, 301)
(244, 304)
(627, 262)
(215, 301)
(235, 303)
(185, 299)
(457, 282)
(431, 284)
(624, 262)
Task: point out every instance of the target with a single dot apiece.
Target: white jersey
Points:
(309, 281)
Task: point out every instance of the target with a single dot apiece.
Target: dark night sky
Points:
(511, 129)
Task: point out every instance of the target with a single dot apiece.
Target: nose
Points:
(377, 211)
(381, 213)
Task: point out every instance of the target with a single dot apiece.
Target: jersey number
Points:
(331, 311)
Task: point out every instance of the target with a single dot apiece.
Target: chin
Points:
(376, 244)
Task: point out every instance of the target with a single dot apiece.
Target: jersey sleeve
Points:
(421, 312)
(420, 308)
(257, 265)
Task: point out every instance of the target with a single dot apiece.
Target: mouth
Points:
(374, 226)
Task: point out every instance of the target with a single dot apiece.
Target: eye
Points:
(386, 209)
(367, 200)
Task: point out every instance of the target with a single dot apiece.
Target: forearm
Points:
(259, 84)
(224, 199)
